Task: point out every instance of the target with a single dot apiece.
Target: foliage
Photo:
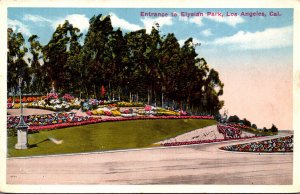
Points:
(134, 66)
(16, 64)
(246, 122)
(233, 119)
(273, 128)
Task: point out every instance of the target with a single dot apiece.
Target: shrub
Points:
(274, 128)
(246, 122)
(254, 126)
(233, 119)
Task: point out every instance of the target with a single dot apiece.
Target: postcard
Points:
(108, 96)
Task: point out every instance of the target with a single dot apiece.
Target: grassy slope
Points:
(106, 136)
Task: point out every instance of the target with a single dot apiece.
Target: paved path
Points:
(28, 111)
(196, 164)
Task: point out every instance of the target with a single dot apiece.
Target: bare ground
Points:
(205, 133)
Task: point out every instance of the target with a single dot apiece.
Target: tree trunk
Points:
(148, 97)
(94, 91)
(162, 99)
(130, 97)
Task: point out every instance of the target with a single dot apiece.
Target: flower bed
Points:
(282, 144)
(90, 120)
(46, 119)
(9, 105)
(239, 126)
(24, 99)
(201, 141)
(229, 131)
(130, 104)
(165, 112)
(39, 122)
(68, 97)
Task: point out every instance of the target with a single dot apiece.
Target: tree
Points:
(246, 122)
(187, 67)
(136, 69)
(273, 128)
(151, 68)
(60, 54)
(140, 66)
(119, 59)
(233, 119)
(168, 67)
(16, 65)
(38, 79)
(213, 89)
(73, 66)
(254, 126)
(96, 54)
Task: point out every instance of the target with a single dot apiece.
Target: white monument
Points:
(22, 126)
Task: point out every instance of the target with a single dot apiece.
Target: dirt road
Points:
(196, 164)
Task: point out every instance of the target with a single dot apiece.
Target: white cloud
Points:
(232, 21)
(119, 22)
(18, 26)
(36, 18)
(267, 39)
(181, 42)
(78, 20)
(196, 20)
(195, 41)
(207, 32)
(162, 21)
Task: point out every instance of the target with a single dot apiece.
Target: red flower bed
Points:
(229, 131)
(202, 141)
(68, 97)
(281, 144)
(9, 100)
(9, 105)
(92, 120)
(62, 125)
(239, 126)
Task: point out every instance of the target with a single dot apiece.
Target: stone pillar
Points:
(22, 135)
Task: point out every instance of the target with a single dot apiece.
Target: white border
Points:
(151, 4)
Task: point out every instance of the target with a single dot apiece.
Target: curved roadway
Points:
(194, 164)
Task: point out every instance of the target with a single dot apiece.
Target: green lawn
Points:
(106, 136)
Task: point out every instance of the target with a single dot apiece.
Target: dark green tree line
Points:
(131, 66)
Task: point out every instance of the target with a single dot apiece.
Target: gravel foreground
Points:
(195, 164)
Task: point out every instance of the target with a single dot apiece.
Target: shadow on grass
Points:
(36, 144)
